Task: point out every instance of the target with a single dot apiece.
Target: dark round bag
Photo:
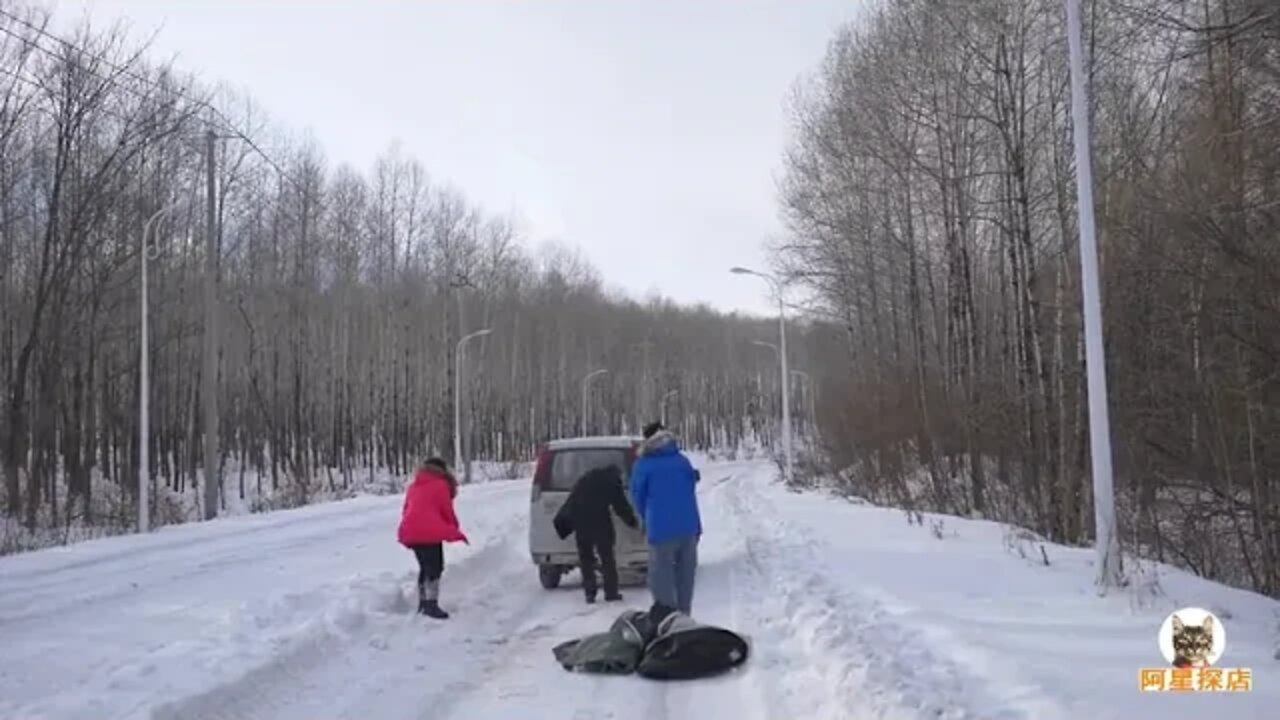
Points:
(684, 649)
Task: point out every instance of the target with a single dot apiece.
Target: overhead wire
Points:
(226, 125)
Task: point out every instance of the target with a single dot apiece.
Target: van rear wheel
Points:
(549, 576)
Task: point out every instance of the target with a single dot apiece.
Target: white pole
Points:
(144, 384)
(457, 404)
(585, 406)
(460, 462)
(144, 392)
(806, 404)
(209, 379)
(665, 398)
(1107, 543)
(776, 351)
(786, 383)
(782, 352)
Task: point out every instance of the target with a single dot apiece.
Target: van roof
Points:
(600, 441)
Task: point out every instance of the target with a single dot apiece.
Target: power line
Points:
(113, 114)
(119, 69)
(111, 81)
(229, 126)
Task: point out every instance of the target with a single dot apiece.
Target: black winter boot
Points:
(428, 604)
(432, 609)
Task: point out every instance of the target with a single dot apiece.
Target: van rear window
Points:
(568, 466)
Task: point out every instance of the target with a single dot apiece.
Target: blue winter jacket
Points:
(664, 490)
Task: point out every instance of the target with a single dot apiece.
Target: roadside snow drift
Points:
(851, 611)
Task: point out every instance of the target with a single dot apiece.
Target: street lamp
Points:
(144, 380)
(457, 403)
(782, 353)
(670, 394)
(585, 382)
(1107, 542)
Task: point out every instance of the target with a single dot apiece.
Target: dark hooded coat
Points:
(587, 509)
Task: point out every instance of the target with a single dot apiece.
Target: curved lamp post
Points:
(146, 253)
(457, 403)
(776, 286)
(586, 382)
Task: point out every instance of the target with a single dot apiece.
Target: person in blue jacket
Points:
(664, 492)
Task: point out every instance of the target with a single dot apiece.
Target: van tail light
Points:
(541, 472)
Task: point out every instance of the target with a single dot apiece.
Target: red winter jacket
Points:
(428, 515)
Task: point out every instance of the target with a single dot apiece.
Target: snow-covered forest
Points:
(931, 186)
(341, 296)
(929, 194)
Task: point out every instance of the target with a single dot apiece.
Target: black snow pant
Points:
(590, 546)
(430, 568)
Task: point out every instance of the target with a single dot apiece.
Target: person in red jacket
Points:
(427, 521)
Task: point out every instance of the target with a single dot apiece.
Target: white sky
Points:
(648, 133)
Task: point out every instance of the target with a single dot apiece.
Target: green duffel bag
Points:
(616, 652)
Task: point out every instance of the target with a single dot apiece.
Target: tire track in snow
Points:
(331, 617)
(659, 698)
(503, 627)
(125, 569)
(862, 664)
(718, 600)
(126, 553)
(526, 675)
(746, 605)
(327, 671)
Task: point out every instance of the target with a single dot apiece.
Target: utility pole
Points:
(641, 409)
(586, 406)
(670, 394)
(212, 482)
(777, 286)
(144, 381)
(786, 382)
(1107, 542)
(459, 282)
(461, 459)
(644, 385)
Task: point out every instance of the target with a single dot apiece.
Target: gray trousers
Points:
(673, 564)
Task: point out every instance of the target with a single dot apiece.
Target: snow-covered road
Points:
(852, 613)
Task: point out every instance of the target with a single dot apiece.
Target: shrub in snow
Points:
(936, 527)
(1025, 544)
(1142, 581)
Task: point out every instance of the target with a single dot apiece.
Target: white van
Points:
(561, 463)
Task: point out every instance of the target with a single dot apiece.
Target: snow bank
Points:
(136, 621)
(953, 620)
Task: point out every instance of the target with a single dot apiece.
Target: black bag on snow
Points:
(661, 644)
(683, 648)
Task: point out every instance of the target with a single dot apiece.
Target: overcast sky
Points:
(648, 133)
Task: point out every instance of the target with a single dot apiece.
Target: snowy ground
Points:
(853, 613)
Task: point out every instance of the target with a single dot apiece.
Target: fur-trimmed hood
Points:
(661, 442)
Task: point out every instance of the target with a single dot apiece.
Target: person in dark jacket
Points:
(586, 515)
(664, 491)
